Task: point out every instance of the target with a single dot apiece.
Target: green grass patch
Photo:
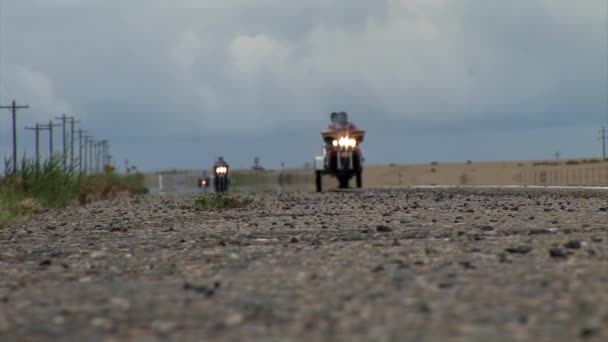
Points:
(48, 185)
(221, 201)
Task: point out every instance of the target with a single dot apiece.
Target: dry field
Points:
(590, 172)
(563, 173)
(372, 265)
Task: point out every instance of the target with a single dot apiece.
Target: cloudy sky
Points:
(175, 83)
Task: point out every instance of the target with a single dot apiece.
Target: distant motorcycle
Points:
(342, 155)
(221, 171)
(203, 182)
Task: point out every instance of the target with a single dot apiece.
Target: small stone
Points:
(573, 244)
(539, 231)
(384, 229)
(234, 319)
(163, 327)
(208, 291)
(101, 323)
(294, 240)
(557, 253)
(519, 249)
(120, 303)
(46, 262)
(467, 265)
(378, 268)
(430, 250)
(58, 320)
(445, 285)
(588, 332)
(98, 254)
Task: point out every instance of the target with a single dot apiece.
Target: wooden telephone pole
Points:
(49, 127)
(91, 142)
(65, 119)
(72, 122)
(80, 131)
(36, 129)
(603, 138)
(14, 107)
(87, 138)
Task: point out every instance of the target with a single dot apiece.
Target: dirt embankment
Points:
(432, 265)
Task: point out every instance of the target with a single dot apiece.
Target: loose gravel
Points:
(374, 265)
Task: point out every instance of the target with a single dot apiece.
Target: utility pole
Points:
(37, 131)
(98, 156)
(105, 151)
(14, 107)
(49, 127)
(86, 154)
(108, 154)
(64, 119)
(603, 138)
(556, 155)
(80, 131)
(72, 122)
(45, 128)
(91, 142)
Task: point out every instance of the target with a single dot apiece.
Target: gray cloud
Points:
(151, 73)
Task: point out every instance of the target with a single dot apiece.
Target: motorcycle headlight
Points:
(221, 170)
(347, 142)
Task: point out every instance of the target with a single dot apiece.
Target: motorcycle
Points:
(342, 154)
(220, 178)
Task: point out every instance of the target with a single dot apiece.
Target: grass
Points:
(247, 178)
(38, 187)
(134, 183)
(221, 201)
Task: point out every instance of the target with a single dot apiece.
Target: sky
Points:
(176, 83)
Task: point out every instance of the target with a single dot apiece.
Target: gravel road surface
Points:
(375, 265)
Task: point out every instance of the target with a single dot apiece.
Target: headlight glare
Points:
(221, 170)
(347, 142)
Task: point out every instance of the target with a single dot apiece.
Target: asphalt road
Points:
(377, 265)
